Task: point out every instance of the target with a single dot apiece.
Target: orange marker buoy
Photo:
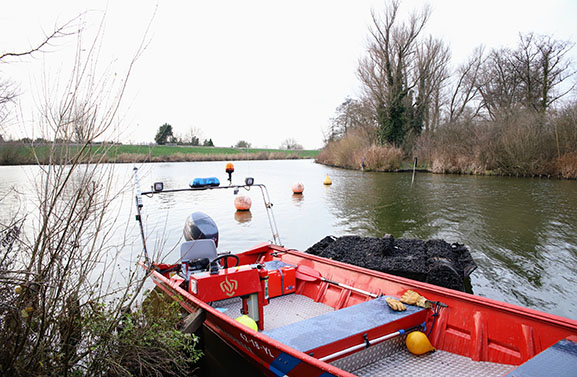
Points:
(242, 203)
(229, 170)
(298, 188)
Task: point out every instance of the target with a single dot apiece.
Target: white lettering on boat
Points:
(253, 343)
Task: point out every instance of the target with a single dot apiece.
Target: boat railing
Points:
(158, 189)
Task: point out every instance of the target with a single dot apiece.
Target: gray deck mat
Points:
(280, 311)
(436, 364)
(389, 358)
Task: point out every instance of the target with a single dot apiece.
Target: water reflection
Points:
(376, 204)
(243, 216)
(298, 199)
(522, 232)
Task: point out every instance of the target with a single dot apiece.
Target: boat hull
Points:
(475, 327)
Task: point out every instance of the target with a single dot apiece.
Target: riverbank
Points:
(443, 155)
(406, 166)
(28, 154)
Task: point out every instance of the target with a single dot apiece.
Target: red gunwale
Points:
(472, 326)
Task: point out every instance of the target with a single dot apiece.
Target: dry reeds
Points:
(353, 150)
(520, 144)
(567, 166)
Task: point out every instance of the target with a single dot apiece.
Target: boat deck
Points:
(281, 311)
(388, 358)
(392, 358)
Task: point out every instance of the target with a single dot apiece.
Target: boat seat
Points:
(200, 253)
(197, 249)
(558, 360)
(341, 324)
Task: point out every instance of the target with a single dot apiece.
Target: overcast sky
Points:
(260, 71)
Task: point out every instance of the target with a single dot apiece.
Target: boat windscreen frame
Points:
(139, 205)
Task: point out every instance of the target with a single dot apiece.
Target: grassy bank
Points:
(24, 154)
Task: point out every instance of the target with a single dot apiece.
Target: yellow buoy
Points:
(298, 188)
(242, 203)
(328, 181)
(418, 343)
(247, 321)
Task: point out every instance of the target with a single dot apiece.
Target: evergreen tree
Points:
(164, 132)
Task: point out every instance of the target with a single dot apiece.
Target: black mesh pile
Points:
(433, 261)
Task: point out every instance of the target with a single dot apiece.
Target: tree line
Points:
(413, 100)
(165, 135)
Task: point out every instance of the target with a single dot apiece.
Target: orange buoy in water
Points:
(242, 203)
(328, 181)
(298, 188)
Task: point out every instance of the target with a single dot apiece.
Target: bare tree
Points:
(555, 70)
(8, 93)
(530, 77)
(431, 68)
(464, 98)
(8, 89)
(291, 144)
(499, 84)
(402, 75)
(62, 311)
(192, 136)
(350, 114)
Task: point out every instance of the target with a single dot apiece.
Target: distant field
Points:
(167, 150)
(21, 154)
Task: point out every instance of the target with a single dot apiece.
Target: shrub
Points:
(453, 148)
(523, 145)
(382, 158)
(145, 342)
(350, 151)
(567, 166)
(345, 152)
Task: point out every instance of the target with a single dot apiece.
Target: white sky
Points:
(261, 71)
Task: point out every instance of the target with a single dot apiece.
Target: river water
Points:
(522, 232)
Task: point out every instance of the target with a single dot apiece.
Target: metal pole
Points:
(270, 215)
(138, 214)
(414, 170)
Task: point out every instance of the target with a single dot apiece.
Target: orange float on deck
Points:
(242, 203)
(298, 188)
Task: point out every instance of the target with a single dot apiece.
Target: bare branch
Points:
(58, 32)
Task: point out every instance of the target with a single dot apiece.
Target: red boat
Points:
(296, 314)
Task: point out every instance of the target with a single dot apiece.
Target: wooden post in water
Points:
(414, 170)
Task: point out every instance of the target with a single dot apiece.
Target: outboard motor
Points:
(200, 226)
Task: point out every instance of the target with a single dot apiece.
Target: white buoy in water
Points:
(242, 203)
(298, 188)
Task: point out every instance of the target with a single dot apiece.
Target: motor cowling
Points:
(200, 226)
